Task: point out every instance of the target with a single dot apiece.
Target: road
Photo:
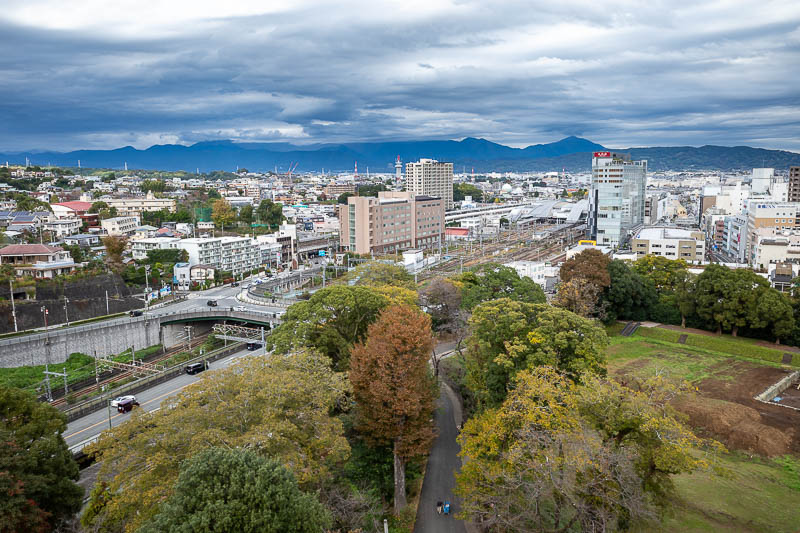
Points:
(90, 426)
(443, 463)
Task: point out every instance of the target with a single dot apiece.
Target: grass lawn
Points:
(753, 495)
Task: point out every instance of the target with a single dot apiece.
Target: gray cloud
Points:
(619, 73)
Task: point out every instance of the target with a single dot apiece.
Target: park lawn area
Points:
(752, 495)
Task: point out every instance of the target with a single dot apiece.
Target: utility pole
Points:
(13, 307)
(146, 286)
(107, 311)
(66, 310)
(43, 309)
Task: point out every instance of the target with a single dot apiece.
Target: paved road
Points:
(439, 480)
(91, 425)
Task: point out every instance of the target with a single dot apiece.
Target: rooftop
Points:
(29, 249)
(665, 233)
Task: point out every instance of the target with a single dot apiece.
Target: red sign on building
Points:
(602, 154)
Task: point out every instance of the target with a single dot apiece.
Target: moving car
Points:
(116, 401)
(235, 284)
(135, 312)
(253, 346)
(126, 406)
(240, 308)
(211, 303)
(196, 368)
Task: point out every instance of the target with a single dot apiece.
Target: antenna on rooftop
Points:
(356, 169)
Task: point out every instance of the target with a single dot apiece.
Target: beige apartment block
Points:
(672, 243)
(429, 177)
(136, 206)
(393, 221)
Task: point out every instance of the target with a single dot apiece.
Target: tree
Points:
(270, 213)
(581, 298)
(590, 265)
(441, 299)
(75, 251)
(376, 273)
(331, 321)
(630, 296)
(508, 337)
(727, 299)
(560, 456)
(462, 190)
(237, 490)
(667, 275)
(37, 471)
(279, 407)
(115, 245)
(246, 214)
(773, 311)
(492, 281)
(394, 389)
(222, 213)
(342, 199)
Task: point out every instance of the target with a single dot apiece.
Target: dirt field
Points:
(725, 408)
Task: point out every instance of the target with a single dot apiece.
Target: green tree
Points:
(115, 245)
(37, 471)
(222, 213)
(492, 281)
(727, 299)
(237, 490)
(279, 407)
(376, 273)
(246, 214)
(774, 312)
(394, 389)
(461, 190)
(270, 213)
(96, 207)
(331, 321)
(509, 336)
(75, 251)
(342, 199)
(630, 296)
(667, 275)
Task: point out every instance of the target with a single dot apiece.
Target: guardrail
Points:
(146, 382)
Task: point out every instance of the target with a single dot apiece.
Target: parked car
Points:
(196, 368)
(253, 346)
(211, 303)
(240, 308)
(126, 406)
(235, 284)
(116, 401)
(135, 312)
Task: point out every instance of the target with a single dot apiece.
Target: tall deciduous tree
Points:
(237, 490)
(393, 387)
(115, 245)
(222, 213)
(279, 407)
(630, 296)
(375, 273)
(37, 471)
(331, 321)
(246, 214)
(590, 265)
(492, 281)
(270, 213)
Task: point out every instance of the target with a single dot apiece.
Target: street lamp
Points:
(146, 286)
(43, 309)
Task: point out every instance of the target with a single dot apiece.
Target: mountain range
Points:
(571, 153)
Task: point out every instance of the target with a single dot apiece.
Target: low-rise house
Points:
(84, 240)
(63, 227)
(37, 260)
(120, 226)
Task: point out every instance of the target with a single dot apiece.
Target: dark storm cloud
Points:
(619, 73)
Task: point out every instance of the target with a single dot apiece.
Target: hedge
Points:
(742, 348)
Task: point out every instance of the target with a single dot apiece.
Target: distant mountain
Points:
(571, 153)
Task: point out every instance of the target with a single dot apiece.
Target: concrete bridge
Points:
(111, 337)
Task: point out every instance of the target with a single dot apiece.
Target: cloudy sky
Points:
(104, 74)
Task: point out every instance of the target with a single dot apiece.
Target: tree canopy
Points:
(222, 490)
(492, 281)
(278, 407)
(394, 388)
(270, 213)
(37, 471)
(331, 321)
(222, 213)
(376, 273)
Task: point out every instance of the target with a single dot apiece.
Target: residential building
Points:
(37, 260)
(137, 206)
(232, 254)
(616, 197)
(428, 177)
(735, 237)
(184, 274)
(84, 240)
(333, 190)
(794, 184)
(672, 243)
(771, 215)
(140, 247)
(63, 227)
(120, 226)
(543, 273)
(391, 222)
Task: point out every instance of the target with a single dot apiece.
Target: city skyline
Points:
(92, 76)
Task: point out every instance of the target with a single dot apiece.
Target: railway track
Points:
(125, 374)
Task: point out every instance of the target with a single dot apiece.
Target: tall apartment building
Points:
(672, 243)
(232, 254)
(391, 222)
(428, 177)
(771, 215)
(794, 184)
(616, 198)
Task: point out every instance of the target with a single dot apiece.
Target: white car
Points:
(116, 401)
(240, 308)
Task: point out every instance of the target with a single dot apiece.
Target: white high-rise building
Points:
(428, 177)
(617, 197)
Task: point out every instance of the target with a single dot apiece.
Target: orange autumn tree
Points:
(394, 388)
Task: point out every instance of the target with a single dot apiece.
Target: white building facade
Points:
(428, 177)
(616, 197)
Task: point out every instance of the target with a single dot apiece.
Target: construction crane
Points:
(292, 168)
